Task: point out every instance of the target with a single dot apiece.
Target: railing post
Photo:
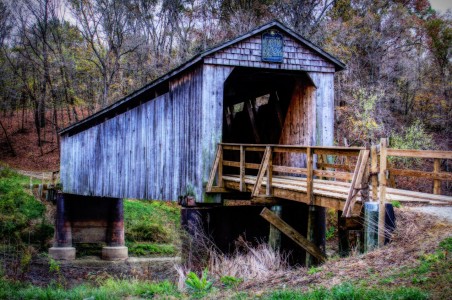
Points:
(374, 172)
(242, 169)
(269, 172)
(436, 182)
(220, 166)
(310, 175)
(382, 208)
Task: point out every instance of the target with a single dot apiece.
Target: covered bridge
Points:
(269, 86)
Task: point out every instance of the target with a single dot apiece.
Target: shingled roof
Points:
(131, 100)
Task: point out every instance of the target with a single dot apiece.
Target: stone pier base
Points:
(115, 253)
(62, 253)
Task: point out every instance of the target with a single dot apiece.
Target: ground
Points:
(417, 264)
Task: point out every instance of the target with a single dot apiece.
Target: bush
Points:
(413, 137)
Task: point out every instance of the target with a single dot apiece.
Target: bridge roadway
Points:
(327, 193)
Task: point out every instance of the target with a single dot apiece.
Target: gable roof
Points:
(125, 102)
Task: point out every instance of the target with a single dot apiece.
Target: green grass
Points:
(22, 216)
(149, 249)
(347, 291)
(151, 227)
(109, 289)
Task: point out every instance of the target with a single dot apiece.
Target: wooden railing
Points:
(317, 165)
(322, 162)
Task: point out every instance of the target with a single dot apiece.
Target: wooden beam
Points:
(242, 169)
(356, 183)
(214, 169)
(437, 182)
(289, 231)
(268, 188)
(420, 153)
(261, 173)
(382, 204)
(251, 114)
(374, 172)
(416, 173)
(310, 176)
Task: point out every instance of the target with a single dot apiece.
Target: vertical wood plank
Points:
(436, 182)
(374, 172)
(268, 189)
(310, 175)
(220, 182)
(382, 201)
(242, 169)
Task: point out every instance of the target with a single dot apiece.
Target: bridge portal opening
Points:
(265, 106)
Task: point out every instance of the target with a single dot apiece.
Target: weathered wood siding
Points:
(324, 107)
(163, 146)
(299, 124)
(150, 152)
(248, 54)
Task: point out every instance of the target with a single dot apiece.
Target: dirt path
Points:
(443, 212)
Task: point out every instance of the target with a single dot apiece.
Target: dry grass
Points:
(250, 264)
(415, 235)
(264, 270)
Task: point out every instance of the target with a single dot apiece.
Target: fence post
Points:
(436, 182)
(310, 173)
(382, 208)
(269, 172)
(242, 169)
(374, 172)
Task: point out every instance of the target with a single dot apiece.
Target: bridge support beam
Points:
(62, 248)
(115, 249)
(316, 230)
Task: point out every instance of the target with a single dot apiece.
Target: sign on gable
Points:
(272, 46)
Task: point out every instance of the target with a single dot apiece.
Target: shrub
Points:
(412, 137)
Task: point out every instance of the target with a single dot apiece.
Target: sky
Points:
(441, 5)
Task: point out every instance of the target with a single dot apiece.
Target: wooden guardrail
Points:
(371, 168)
(316, 165)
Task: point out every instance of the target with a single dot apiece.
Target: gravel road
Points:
(444, 212)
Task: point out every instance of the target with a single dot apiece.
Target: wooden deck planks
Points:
(334, 190)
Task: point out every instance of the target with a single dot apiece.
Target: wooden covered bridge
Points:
(225, 129)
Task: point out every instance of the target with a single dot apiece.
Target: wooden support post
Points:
(374, 172)
(63, 229)
(342, 232)
(382, 203)
(251, 114)
(436, 182)
(310, 175)
(242, 169)
(216, 167)
(357, 182)
(115, 230)
(274, 237)
(261, 173)
(293, 234)
(310, 232)
(220, 182)
(269, 172)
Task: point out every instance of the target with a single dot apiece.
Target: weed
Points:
(446, 244)
(231, 281)
(329, 234)
(396, 204)
(313, 270)
(199, 286)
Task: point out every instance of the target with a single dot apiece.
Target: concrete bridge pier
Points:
(115, 249)
(62, 248)
(89, 220)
